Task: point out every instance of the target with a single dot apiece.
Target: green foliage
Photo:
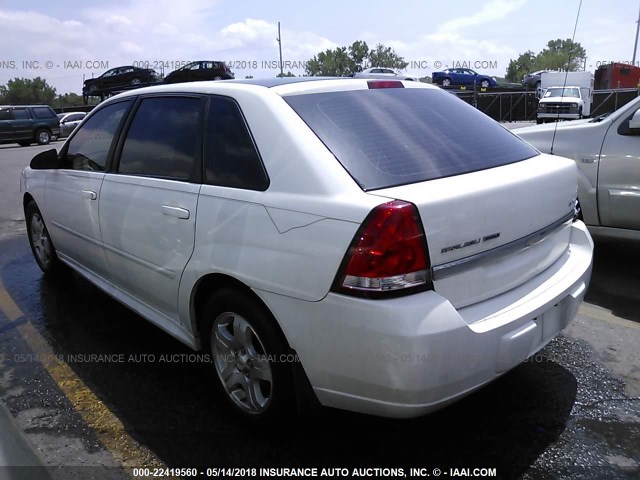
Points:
(288, 74)
(557, 55)
(344, 61)
(68, 100)
(524, 64)
(25, 91)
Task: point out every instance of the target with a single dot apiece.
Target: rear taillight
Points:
(388, 255)
(373, 84)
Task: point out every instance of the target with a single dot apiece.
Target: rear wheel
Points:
(249, 355)
(41, 245)
(43, 136)
(135, 81)
(24, 144)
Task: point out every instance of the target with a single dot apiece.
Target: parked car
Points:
(69, 121)
(27, 124)
(534, 79)
(119, 77)
(607, 152)
(379, 72)
(198, 71)
(462, 76)
(311, 249)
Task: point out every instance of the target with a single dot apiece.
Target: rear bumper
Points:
(407, 356)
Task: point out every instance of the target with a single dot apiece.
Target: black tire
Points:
(40, 242)
(24, 144)
(43, 136)
(446, 82)
(217, 77)
(135, 81)
(539, 121)
(245, 354)
(580, 113)
(485, 83)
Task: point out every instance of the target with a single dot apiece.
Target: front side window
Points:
(89, 147)
(163, 139)
(231, 157)
(5, 114)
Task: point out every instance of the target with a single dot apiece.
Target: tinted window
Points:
(231, 156)
(395, 136)
(89, 147)
(20, 114)
(5, 114)
(163, 139)
(43, 112)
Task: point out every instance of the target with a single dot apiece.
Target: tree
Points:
(69, 100)
(21, 91)
(288, 74)
(524, 64)
(559, 54)
(383, 56)
(344, 61)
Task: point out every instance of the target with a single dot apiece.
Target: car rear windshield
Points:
(396, 136)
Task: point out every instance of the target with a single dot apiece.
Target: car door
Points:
(148, 203)
(73, 191)
(21, 124)
(5, 124)
(619, 176)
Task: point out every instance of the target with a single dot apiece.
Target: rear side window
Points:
(43, 112)
(163, 139)
(20, 114)
(89, 147)
(396, 136)
(231, 158)
(5, 114)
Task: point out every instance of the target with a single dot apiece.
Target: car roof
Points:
(280, 86)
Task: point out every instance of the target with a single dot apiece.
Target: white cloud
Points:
(490, 12)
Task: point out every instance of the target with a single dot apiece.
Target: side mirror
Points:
(45, 160)
(635, 120)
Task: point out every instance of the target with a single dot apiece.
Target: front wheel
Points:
(135, 81)
(41, 245)
(484, 83)
(446, 82)
(249, 355)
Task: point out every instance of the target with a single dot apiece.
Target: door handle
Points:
(177, 212)
(89, 194)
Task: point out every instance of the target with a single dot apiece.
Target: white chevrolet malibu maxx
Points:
(377, 245)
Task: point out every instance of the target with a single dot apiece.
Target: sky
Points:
(66, 41)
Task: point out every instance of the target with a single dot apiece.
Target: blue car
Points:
(462, 76)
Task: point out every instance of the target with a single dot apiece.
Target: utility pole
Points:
(635, 44)
(279, 40)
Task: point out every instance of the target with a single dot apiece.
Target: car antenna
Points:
(566, 74)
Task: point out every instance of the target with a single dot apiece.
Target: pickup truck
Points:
(561, 103)
(607, 151)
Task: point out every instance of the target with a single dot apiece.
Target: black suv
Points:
(27, 124)
(200, 70)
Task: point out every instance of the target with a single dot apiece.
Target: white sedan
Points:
(377, 245)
